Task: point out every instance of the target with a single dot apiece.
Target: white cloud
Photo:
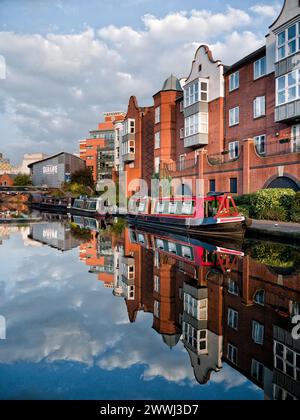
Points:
(58, 85)
(267, 10)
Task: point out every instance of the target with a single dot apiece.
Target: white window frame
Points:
(260, 68)
(291, 81)
(255, 370)
(233, 319)
(196, 91)
(197, 308)
(181, 162)
(234, 116)
(156, 284)
(156, 309)
(128, 127)
(259, 107)
(259, 302)
(232, 354)
(234, 150)
(260, 144)
(285, 45)
(233, 287)
(234, 81)
(286, 363)
(157, 114)
(157, 140)
(157, 165)
(182, 133)
(258, 333)
(196, 124)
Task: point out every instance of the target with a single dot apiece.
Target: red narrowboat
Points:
(213, 215)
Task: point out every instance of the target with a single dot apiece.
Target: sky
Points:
(65, 62)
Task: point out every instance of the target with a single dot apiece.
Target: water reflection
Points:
(224, 307)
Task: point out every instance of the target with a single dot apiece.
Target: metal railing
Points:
(279, 147)
(221, 158)
(182, 165)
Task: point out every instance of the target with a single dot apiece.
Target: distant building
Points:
(55, 170)
(7, 180)
(102, 138)
(7, 168)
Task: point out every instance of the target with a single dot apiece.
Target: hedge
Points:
(295, 210)
(273, 204)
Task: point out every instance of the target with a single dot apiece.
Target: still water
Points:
(126, 314)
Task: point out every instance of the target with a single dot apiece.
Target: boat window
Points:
(141, 238)
(172, 248)
(92, 205)
(172, 208)
(78, 204)
(142, 207)
(160, 207)
(187, 252)
(211, 208)
(160, 244)
(187, 207)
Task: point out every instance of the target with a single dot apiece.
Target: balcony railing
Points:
(221, 158)
(182, 165)
(279, 147)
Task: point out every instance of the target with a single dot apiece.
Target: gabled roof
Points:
(246, 60)
(52, 157)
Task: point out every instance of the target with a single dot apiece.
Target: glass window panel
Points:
(281, 53)
(281, 38)
(292, 47)
(292, 94)
(292, 32)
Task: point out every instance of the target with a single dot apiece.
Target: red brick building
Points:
(235, 128)
(7, 180)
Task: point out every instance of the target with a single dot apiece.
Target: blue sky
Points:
(68, 61)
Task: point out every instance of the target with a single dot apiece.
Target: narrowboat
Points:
(91, 207)
(215, 215)
(50, 204)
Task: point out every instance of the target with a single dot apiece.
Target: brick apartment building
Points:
(99, 148)
(236, 127)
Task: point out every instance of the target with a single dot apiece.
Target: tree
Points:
(83, 177)
(22, 180)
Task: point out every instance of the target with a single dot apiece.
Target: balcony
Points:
(128, 157)
(220, 159)
(196, 141)
(288, 112)
(188, 166)
(280, 147)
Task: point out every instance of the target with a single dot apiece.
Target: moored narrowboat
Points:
(213, 215)
(50, 204)
(91, 207)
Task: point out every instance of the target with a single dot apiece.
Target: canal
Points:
(126, 314)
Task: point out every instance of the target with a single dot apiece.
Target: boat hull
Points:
(49, 208)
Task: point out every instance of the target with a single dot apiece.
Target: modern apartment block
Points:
(235, 127)
(102, 138)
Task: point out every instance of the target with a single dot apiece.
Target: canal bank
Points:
(279, 231)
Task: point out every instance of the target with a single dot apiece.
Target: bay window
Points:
(288, 41)
(197, 123)
(195, 92)
(288, 87)
(128, 127)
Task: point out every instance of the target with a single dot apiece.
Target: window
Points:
(182, 133)
(259, 297)
(194, 307)
(212, 185)
(232, 354)
(233, 185)
(157, 140)
(156, 309)
(233, 319)
(234, 150)
(195, 92)
(197, 339)
(259, 107)
(181, 106)
(288, 87)
(288, 41)
(233, 288)
(181, 162)
(260, 144)
(257, 371)
(260, 68)
(197, 123)
(157, 115)
(287, 361)
(128, 147)
(128, 127)
(157, 284)
(234, 81)
(157, 165)
(258, 332)
(234, 116)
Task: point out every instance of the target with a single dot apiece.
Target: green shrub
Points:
(273, 204)
(295, 210)
(274, 255)
(245, 210)
(243, 200)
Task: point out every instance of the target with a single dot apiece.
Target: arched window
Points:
(259, 297)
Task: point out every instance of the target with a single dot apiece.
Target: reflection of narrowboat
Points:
(89, 223)
(184, 249)
(50, 204)
(214, 215)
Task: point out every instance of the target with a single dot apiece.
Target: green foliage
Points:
(275, 255)
(273, 204)
(22, 180)
(78, 189)
(80, 233)
(83, 177)
(244, 200)
(295, 210)
(245, 210)
(118, 227)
